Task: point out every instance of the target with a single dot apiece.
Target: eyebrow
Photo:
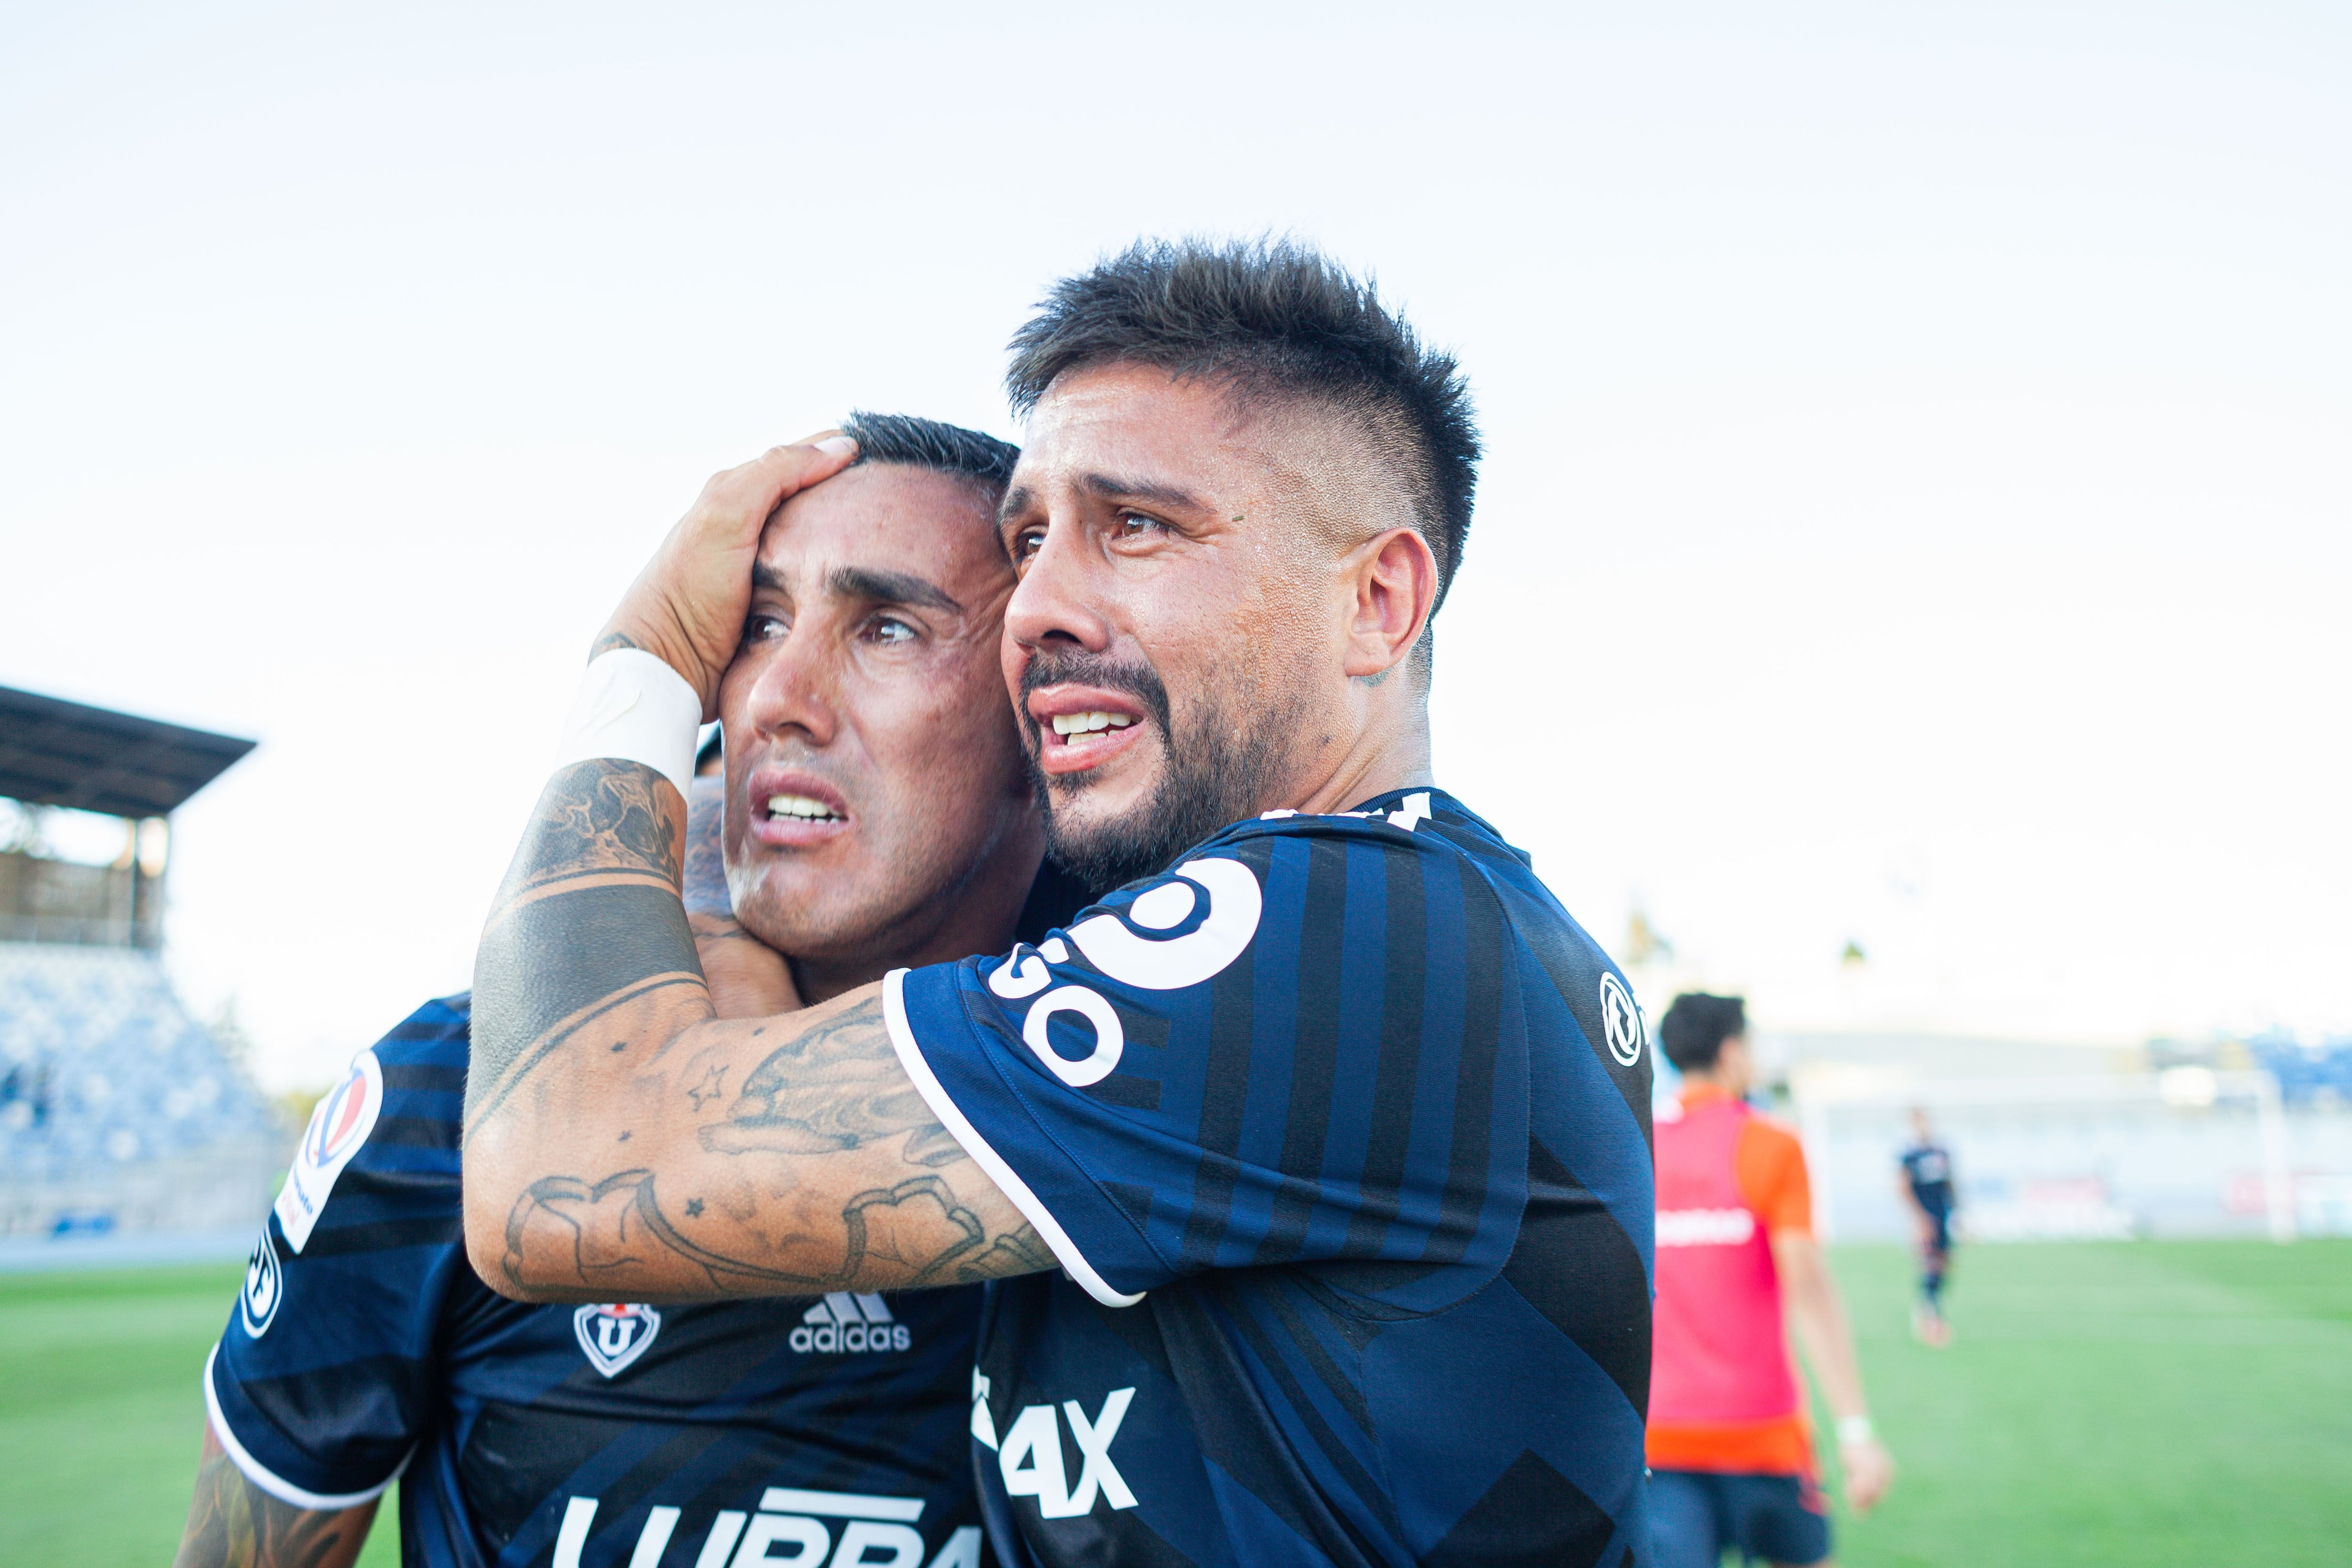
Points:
(1109, 487)
(882, 587)
(872, 584)
(1016, 501)
(1106, 487)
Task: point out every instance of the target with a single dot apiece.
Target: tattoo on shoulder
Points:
(609, 642)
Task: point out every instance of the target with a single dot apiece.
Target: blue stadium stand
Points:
(2318, 1075)
(124, 1128)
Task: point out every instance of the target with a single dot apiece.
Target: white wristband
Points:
(634, 708)
(1855, 1429)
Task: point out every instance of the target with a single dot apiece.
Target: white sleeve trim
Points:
(277, 1486)
(1008, 1181)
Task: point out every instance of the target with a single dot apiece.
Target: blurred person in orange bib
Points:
(1730, 1449)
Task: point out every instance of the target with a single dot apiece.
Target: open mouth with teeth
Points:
(1066, 725)
(800, 808)
(795, 809)
(1081, 728)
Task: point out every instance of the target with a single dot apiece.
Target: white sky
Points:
(1916, 508)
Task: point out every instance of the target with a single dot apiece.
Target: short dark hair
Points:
(944, 448)
(1694, 1029)
(1271, 316)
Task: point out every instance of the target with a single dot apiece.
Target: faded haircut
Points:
(1272, 317)
(909, 442)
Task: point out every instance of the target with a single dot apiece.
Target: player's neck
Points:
(1390, 752)
(1705, 1085)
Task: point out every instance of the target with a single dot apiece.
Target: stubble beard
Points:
(1231, 758)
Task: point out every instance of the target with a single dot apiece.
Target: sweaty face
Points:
(1174, 645)
(872, 765)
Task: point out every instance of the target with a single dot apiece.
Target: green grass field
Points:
(2134, 1405)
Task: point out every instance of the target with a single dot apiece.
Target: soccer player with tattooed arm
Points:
(1311, 1166)
(622, 1431)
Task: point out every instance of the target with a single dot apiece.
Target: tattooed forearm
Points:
(588, 918)
(232, 1523)
(830, 1102)
(603, 815)
(836, 1087)
(625, 1143)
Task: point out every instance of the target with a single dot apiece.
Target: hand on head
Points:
(687, 606)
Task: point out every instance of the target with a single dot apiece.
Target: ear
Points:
(1392, 578)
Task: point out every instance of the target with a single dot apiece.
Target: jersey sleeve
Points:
(1771, 1164)
(1303, 1045)
(323, 1379)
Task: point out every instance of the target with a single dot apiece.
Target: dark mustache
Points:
(1052, 666)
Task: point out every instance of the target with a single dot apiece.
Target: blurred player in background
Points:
(1729, 1446)
(1925, 1183)
(364, 1347)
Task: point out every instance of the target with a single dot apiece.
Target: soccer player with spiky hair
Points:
(1312, 1162)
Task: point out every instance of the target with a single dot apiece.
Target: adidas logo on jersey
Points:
(844, 1324)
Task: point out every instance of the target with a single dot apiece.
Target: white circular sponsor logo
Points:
(1621, 1020)
(265, 1285)
(1172, 964)
(1110, 1038)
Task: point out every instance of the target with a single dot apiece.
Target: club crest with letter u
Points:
(615, 1334)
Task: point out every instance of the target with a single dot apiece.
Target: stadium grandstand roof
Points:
(54, 752)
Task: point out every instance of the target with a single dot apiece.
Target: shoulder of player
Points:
(400, 1107)
(1425, 823)
(424, 1058)
(1772, 1136)
(1433, 828)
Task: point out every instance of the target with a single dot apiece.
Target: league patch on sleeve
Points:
(338, 1127)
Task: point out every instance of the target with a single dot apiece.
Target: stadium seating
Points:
(118, 1111)
(2318, 1075)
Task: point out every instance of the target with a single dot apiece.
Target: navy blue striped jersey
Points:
(1340, 1131)
(1928, 1167)
(364, 1347)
